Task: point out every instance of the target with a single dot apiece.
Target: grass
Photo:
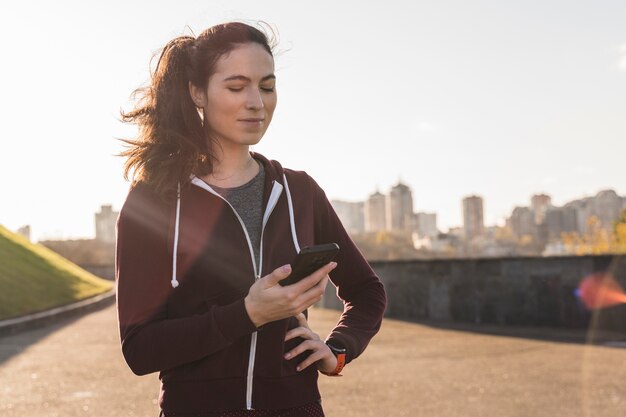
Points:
(34, 278)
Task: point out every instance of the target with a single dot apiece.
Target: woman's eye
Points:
(235, 89)
(268, 89)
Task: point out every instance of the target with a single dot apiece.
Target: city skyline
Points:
(416, 210)
(539, 204)
(498, 99)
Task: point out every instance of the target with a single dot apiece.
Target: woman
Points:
(207, 232)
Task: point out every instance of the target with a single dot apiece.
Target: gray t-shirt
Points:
(247, 200)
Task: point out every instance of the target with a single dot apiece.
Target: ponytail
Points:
(172, 142)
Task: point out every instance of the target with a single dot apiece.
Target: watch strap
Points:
(340, 354)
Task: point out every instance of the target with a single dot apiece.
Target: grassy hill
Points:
(34, 278)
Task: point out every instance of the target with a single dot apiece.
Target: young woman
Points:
(209, 229)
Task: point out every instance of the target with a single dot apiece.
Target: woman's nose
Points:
(254, 99)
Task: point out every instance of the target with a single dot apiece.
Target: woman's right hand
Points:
(268, 301)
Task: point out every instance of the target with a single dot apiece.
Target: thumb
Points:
(278, 274)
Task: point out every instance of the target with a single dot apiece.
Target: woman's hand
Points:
(322, 356)
(268, 301)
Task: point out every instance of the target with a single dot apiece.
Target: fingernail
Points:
(297, 368)
(333, 265)
(287, 268)
(287, 355)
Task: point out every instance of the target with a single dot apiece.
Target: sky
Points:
(501, 99)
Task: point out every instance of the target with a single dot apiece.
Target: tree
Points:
(597, 240)
(619, 231)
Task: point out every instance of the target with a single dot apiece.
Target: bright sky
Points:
(498, 98)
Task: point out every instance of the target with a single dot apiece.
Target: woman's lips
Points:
(252, 122)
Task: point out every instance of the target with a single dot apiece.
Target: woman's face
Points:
(240, 96)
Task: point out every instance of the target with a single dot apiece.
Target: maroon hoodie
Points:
(187, 319)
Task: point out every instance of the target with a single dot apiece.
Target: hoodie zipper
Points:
(277, 189)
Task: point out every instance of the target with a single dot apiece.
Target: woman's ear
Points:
(197, 95)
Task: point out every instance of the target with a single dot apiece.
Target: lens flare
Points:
(600, 290)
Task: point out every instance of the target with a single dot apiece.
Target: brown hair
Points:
(173, 142)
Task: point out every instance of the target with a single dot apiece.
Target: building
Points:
(440, 245)
(540, 204)
(473, 217)
(426, 224)
(105, 224)
(457, 232)
(555, 222)
(351, 214)
(583, 210)
(375, 213)
(606, 206)
(95, 255)
(570, 218)
(399, 208)
(522, 222)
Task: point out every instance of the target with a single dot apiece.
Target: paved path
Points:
(75, 369)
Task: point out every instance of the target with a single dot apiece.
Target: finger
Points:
(277, 275)
(303, 332)
(323, 283)
(310, 281)
(303, 347)
(320, 287)
(297, 332)
(314, 357)
(302, 321)
(312, 295)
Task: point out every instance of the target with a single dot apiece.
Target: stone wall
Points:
(102, 271)
(515, 291)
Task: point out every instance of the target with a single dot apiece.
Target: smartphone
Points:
(309, 260)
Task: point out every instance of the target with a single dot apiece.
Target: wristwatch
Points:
(340, 354)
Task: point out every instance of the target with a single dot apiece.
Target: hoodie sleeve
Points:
(150, 340)
(358, 286)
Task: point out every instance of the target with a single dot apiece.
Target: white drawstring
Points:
(174, 254)
(294, 236)
(292, 221)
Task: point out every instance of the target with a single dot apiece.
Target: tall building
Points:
(522, 222)
(426, 224)
(375, 212)
(105, 224)
(570, 218)
(473, 217)
(583, 209)
(607, 206)
(351, 214)
(546, 222)
(555, 222)
(400, 208)
(540, 204)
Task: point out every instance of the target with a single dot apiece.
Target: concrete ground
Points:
(75, 368)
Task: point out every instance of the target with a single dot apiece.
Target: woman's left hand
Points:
(322, 356)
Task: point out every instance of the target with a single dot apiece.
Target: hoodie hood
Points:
(275, 183)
